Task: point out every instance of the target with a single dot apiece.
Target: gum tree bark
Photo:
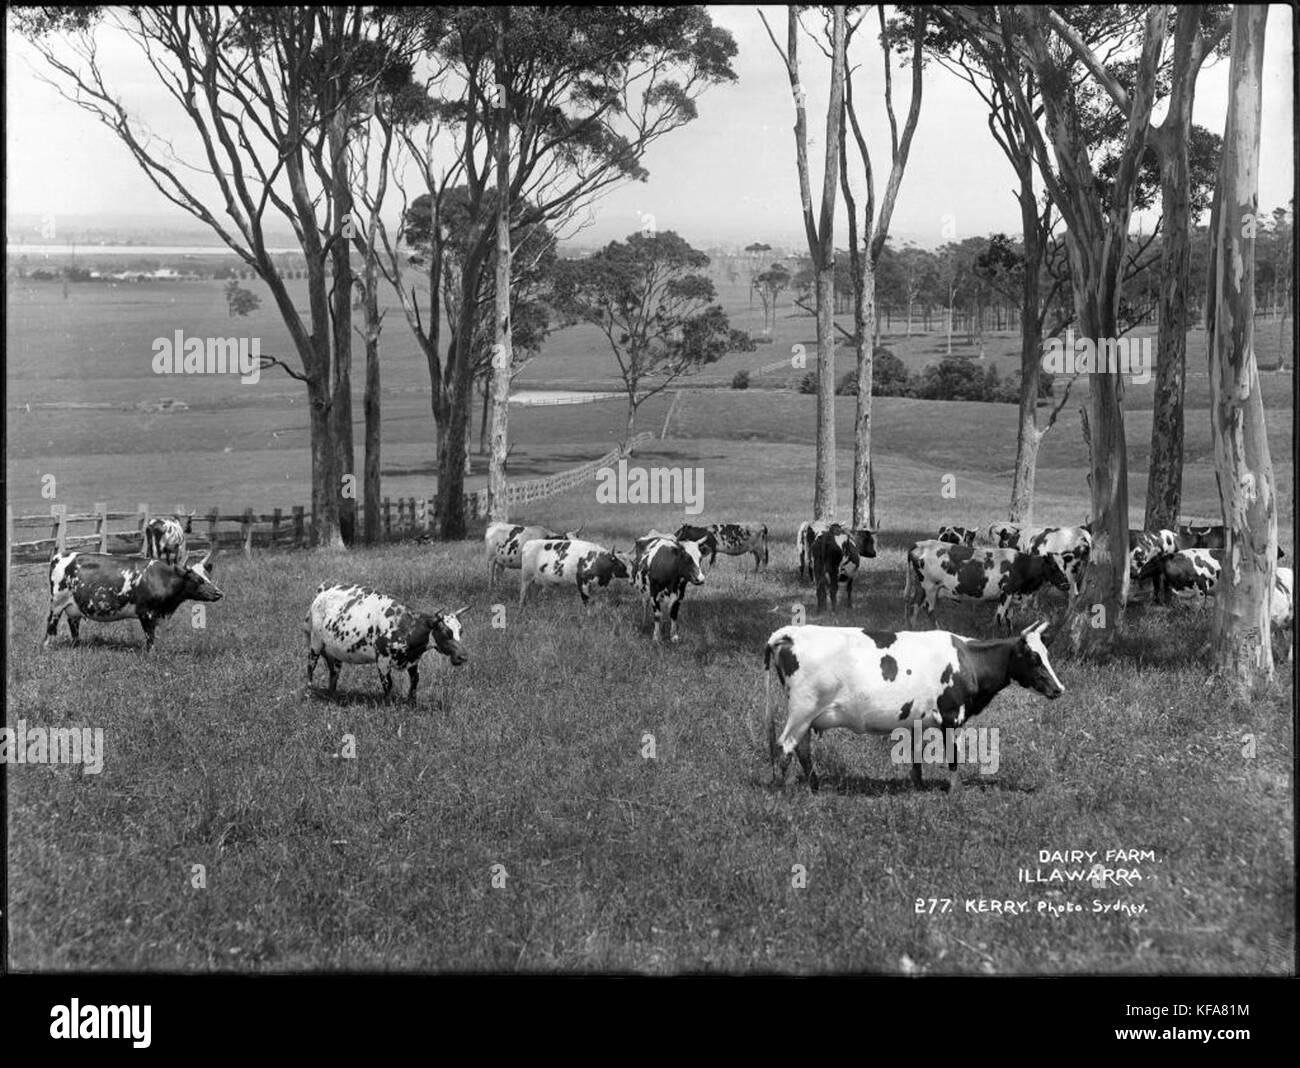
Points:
(1240, 635)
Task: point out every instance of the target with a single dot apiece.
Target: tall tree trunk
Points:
(341, 320)
(1031, 355)
(484, 415)
(325, 473)
(503, 350)
(864, 329)
(824, 501)
(1242, 650)
(373, 435)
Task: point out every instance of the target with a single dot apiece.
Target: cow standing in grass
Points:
(106, 588)
(836, 557)
(937, 569)
(164, 539)
(569, 562)
(731, 539)
(504, 545)
(348, 624)
(877, 681)
(808, 531)
(662, 567)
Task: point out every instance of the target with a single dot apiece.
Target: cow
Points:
(1145, 546)
(958, 535)
(877, 681)
(1202, 536)
(1002, 535)
(1069, 547)
(569, 562)
(808, 531)
(504, 543)
(662, 567)
(105, 588)
(731, 539)
(837, 554)
(1187, 573)
(935, 568)
(1282, 609)
(164, 539)
(349, 624)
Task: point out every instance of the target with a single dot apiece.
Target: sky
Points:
(728, 177)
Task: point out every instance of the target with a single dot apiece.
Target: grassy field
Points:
(531, 756)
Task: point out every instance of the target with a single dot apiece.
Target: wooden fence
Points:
(92, 531)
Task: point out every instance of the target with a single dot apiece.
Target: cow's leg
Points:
(333, 666)
(74, 627)
(149, 625)
(414, 672)
(800, 711)
(58, 605)
(384, 665)
(523, 588)
(313, 655)
(657, 600)
(848, 594)
(931, 598)
(673, 636)
(804, 750)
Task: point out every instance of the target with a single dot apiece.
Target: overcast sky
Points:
(727, 177)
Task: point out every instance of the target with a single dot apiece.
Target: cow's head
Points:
(691, 559)
(445, 629)
(197, 579)
(1029, 664)
(865, 542)
(1052, 572)
(610, 565)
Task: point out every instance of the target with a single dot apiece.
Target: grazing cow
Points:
(349, 624)
(1187, 572)
(876, 681)
(104, 588)
(808, 531)
(504, 543)
(1282, 609)
(164, 539)
(958, 535)
(935, 569)
(836, 556)
(1069, 547)
(1145, 546)
(662, 567)
(732, 539)
(569, 562)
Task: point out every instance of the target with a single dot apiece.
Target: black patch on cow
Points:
(907, 710)
(888, 668)
(786, 662)
(883, 638)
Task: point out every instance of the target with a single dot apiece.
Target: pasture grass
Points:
(530, 757)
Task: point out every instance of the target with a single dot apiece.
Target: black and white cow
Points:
(164, 539)
(958, 535)
(349, 624)
(808, 531)
(662, 567)
(1282, 609)
(876, 681)
(1202, 536)
(937, 569)
(105, 588)
(1145, 546)
(1002, 535)
(731, 539)
(1069, 547)
(837, 554)
(1186, 573)
(504, 545)
(569, 562)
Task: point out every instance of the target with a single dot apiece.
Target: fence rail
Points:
(279, 528)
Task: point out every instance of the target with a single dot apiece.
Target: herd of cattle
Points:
(866, 681)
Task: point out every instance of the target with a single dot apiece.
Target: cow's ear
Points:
(206, 562)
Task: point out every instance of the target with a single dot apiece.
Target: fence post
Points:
(60, 525)
(275, 526)
(388, 516)
(299, 526)
(247, 531)
(423, 513)
(410, 501)
(143, 509)
(101, 524)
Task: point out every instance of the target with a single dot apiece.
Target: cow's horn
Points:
(459, 611)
